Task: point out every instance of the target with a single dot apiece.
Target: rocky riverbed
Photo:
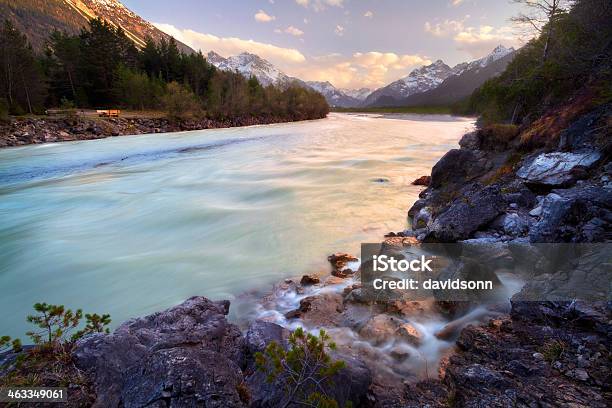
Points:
(19, 132)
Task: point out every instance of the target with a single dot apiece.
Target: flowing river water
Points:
(132, 225)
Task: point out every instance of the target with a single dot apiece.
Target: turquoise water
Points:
(132, 225)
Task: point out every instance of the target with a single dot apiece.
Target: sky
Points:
(351, 43)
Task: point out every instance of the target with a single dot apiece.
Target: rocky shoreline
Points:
(19, 132)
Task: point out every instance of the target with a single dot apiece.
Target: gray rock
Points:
(422, 219)
(470, 141)
(457, 166)
(187, 355)
(554, 208)
(466, 270)
(579, 374)
(536, 212)
(514, 225)
(261, 333)
(476, 208)
(556, 169)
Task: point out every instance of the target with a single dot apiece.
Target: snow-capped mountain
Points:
(252, 65)
(498, 53)
(427, 78)
(419, 80)
(359, 94)
(461, 85)
(333, 95)
(37, 19)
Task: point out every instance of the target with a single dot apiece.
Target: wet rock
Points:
(555, 169)
(400, 352)
(380, 328)
(409, 333)
(310, 280)
(357, 295)
(422, 181)
(340, 260)
(184, 356)
(322, 310)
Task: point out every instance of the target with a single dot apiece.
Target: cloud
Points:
(231, 45)
(455, 3)
(479, 41)
(368, 14)
(294, 31)
(320, 5)
(372, 69)
(445, 28)
(262, 17)
(339, 30)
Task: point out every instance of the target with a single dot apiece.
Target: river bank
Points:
(25, 131)
(408, 353)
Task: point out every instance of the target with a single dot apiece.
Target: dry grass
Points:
(498, 136)
(546, 130)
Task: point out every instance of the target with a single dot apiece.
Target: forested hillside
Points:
(572, 53)
(101, 67)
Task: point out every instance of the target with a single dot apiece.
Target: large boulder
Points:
(477, 207)
(557, 168)
(457, 166)
(187, 355)
(579, 214)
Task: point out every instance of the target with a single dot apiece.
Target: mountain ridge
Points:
(38, 18)
(430, 77)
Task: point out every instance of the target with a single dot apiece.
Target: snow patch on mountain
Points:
(359, 94)
(251, 65)
(429, 77)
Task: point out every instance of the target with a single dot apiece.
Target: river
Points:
(134, 224)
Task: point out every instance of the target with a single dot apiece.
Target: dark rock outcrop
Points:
(457, 167)
(477, 207)
(185, 356)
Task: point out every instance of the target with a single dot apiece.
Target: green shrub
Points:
(55, 323)
(304, 370)
(6, 343)
(179, 102)
(553, 350)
